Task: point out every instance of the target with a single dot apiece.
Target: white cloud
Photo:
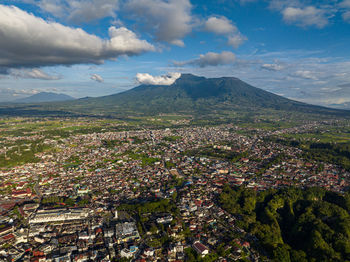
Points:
(210, 59)
(148, 79)
(306, 16)
(282, 4)
(219, 25)
(34, 73)
(53, 7)
(305, 13)
(10, 94)
(170, 20)
(80, 11)
(223, 26)
(345, 4)
(306, 74)
(272, 67)
(236, 40)
(30, 41)
(243, 2)
(344, 7)
(346, 16)
(327, 72)
(96, 78)
(125, 42)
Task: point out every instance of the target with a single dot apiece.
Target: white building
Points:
(129, 253)
(59, 215)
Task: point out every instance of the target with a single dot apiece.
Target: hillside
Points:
(225, 97)
(44, 97)
(293, 224)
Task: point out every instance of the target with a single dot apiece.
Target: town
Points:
(149, 194)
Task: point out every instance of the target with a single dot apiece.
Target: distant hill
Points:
(205, 98)
(45, 97)
(345, 105)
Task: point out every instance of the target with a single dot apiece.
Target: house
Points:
(129, 252)
(200, 248)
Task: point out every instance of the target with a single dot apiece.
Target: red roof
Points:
(200, 247)
(8, 237)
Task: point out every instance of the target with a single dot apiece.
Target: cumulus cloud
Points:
(306, 16)
(148, 79)
(272, 67)
(210, 59)
(223, 26)
(308, 13)
(306, 74)
(170, 20)
(79, 11)
(34, 73)
(29, 41)
(236, 40)
(96, 78)
(219, 25)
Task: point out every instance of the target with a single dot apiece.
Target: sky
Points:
(299, 49)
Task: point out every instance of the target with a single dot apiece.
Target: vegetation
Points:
(64, 201)
(22, 152)
(208, 100)
(192, 256)
(294, 224)
(171, 138)
(328, 152)
(72, 162)
(161, 206)
(145, 159)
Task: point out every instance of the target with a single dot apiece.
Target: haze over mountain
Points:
(193, 94)
(296, 48)
(188, 95)
(45, 97)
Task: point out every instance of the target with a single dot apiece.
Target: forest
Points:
(293, 224)
(334, 153)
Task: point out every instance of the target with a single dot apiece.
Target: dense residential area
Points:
(160, 194)
(174, 130)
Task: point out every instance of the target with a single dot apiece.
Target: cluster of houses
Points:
(63, 208)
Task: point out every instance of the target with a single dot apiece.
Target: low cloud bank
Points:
(148, 79)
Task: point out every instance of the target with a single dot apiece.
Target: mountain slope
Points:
(212, 98)
(45, 97)
(196, 95)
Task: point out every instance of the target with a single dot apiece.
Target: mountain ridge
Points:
(200, 97)
(43, 97)
(189, 92)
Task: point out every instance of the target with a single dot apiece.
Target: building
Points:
(129, 253)
(59, 215)
(200, 248)
(164, 220)
(126, 232)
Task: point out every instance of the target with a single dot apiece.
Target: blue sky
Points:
(295, 48)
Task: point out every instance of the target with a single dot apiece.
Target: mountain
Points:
(345, 105)
(194, 95)
(200, 97)
(45, 97)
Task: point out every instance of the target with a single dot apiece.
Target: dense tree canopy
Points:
(294, 224)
